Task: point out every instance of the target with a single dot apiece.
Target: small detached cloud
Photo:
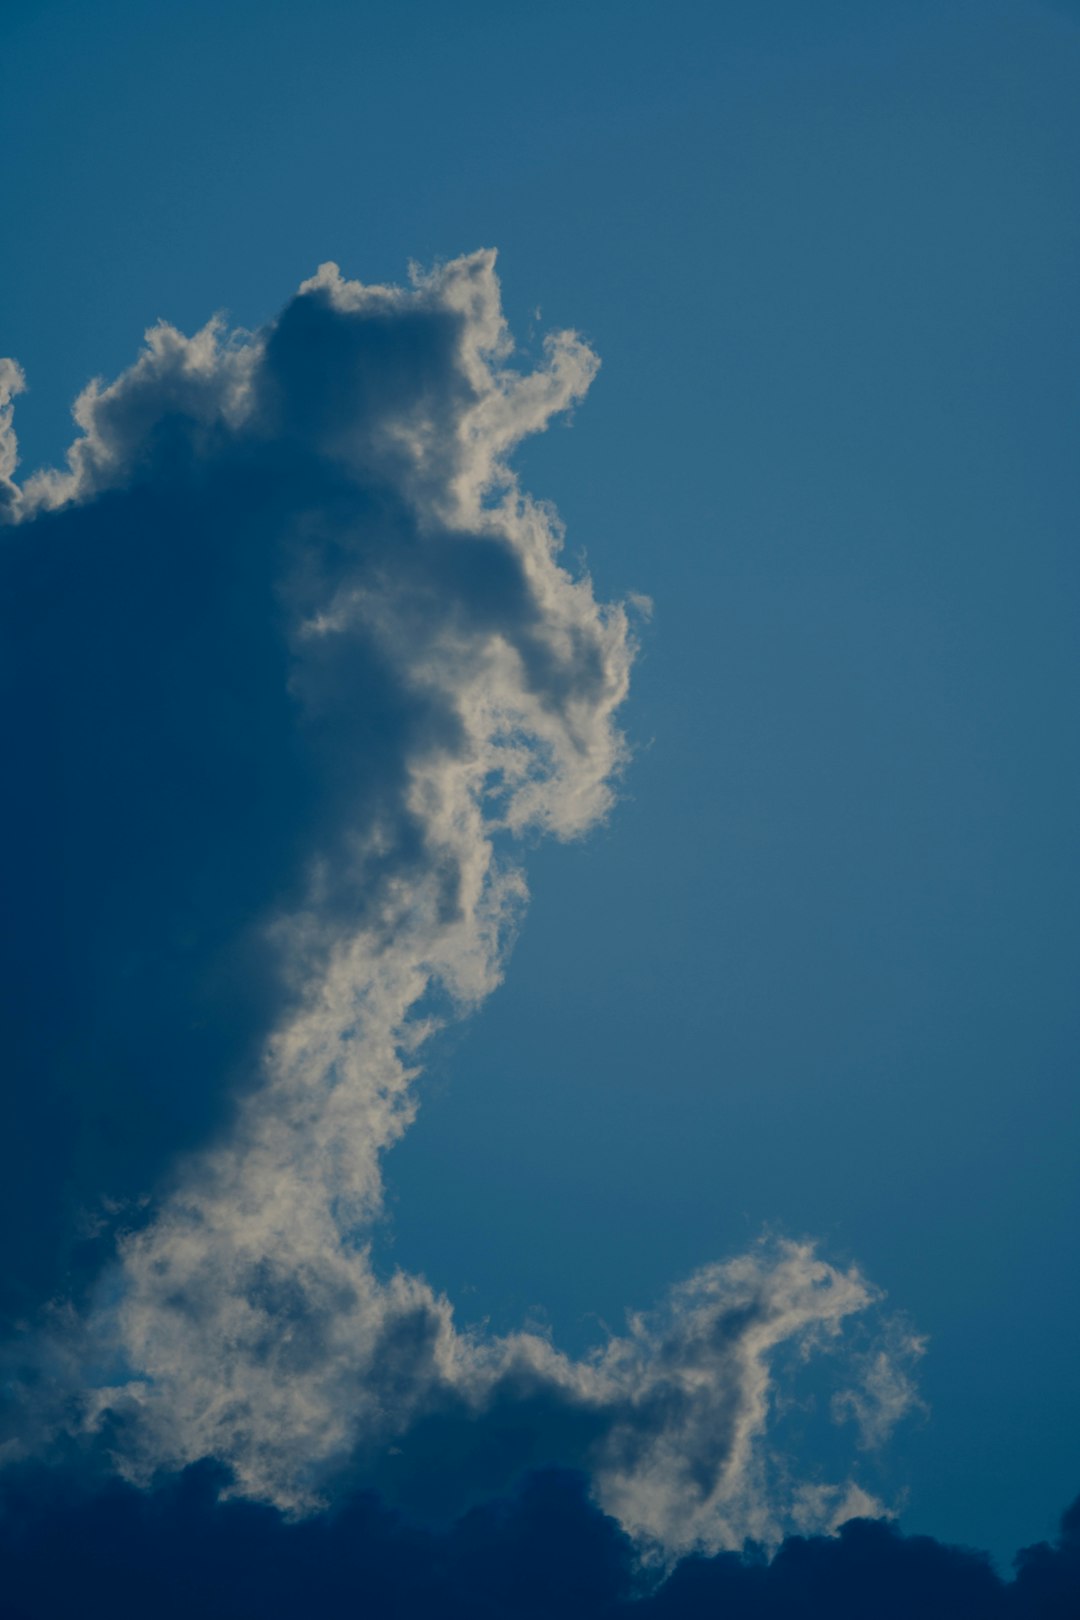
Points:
(290, 663)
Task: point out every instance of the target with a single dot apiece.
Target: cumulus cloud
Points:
(290, 663)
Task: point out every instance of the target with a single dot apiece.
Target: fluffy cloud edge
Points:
(244, 1316)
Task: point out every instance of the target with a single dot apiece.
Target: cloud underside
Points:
(544, 1550)
(290, 665)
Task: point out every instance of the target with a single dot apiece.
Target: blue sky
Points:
(816, 972)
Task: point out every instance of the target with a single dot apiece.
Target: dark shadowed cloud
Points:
(71, 1548)
(289, 665)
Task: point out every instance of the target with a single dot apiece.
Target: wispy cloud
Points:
(12, 382)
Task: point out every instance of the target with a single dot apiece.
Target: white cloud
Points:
(12, 382)
(245, 1315)
(884, 1391)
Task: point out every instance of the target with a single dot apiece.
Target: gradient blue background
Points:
(821, 971)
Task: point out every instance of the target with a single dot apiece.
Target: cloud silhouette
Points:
(74, 1547)
(290, 665)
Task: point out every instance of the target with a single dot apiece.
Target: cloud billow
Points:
(290, 662)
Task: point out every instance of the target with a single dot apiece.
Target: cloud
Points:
(12, 382)
(296, 1366)
(291, 664)
(545, 1549)
(885, 1391)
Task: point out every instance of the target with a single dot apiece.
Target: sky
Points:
(543, 880)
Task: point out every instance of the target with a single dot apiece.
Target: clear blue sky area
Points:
(820, 972)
